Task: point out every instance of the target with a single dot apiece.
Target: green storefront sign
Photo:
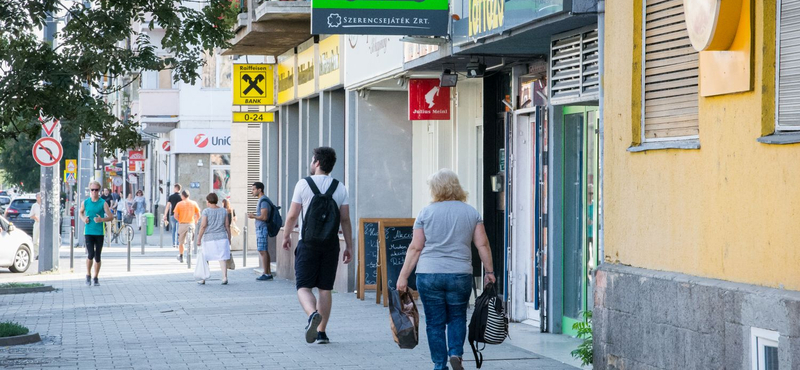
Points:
(384, 17)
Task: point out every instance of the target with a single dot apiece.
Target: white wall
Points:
(450, 144)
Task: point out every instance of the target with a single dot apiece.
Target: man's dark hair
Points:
(212, 198)
(259, 186)
(185, 193)
(178, 186)
(326, 157)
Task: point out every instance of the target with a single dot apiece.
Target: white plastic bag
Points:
(201, 270)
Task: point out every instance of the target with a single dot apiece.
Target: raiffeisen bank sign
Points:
(200, 141)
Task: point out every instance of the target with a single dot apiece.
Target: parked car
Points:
(15, 247)
(4, 202)
(18, 212)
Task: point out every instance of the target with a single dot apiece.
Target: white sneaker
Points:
(201, 282)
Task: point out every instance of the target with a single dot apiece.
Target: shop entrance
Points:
(578, 210)
(523, 211)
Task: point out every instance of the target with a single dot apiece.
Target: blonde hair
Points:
(445, 186)
(95, 183)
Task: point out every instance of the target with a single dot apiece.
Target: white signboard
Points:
(200, 140)
(370, 58)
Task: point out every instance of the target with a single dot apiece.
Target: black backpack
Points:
(321, 220)
(274, 219)
(489, 324)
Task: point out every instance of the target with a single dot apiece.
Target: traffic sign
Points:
(253, 84)
(253, 117)
(117, 180)
(48, 124)
(71, 165)
(47, 151)
(69, 177)
(165, 146)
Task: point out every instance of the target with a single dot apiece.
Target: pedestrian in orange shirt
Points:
(187, 213)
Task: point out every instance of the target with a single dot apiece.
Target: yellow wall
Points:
(730, 210)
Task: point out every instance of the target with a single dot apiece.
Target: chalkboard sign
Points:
(397, 237)
(368, 244)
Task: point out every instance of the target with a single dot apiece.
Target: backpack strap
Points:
(313, 186)
(332, 188)
(478, 355)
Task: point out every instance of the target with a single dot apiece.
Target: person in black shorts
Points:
(94, 213)
(315, 264)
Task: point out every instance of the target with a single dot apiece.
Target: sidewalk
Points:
(157, 317)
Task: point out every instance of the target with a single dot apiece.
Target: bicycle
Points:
(121, 233)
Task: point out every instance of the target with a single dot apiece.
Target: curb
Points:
(20, 339)
(27, 290)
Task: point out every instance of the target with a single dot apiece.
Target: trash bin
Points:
(151, 219)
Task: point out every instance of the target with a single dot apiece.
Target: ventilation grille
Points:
(789, 66)
(575, 73)
(253, 162)
(670, 73)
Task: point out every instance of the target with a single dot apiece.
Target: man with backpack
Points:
(323, 204)
(263, 216)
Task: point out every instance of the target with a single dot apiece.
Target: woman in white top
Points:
(215, 235)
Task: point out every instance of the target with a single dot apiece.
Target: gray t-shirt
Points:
(215, 223)
(448, 228)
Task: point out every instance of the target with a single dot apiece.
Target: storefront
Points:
(202, 162)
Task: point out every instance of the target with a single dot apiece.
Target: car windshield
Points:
(22, 204)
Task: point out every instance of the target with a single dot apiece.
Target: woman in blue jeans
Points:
(441, 251)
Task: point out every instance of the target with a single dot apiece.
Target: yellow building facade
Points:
(702, 243)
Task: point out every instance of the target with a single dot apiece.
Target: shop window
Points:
(763, 349)
(670, 75)
(787, 117)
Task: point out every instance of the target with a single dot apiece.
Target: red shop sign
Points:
(427, 100)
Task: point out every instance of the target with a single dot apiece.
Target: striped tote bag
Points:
(489, 324)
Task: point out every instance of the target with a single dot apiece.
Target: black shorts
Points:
(94, 246)
(315, 266)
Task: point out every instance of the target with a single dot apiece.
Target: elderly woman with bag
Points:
(215, 235)
(441, 252)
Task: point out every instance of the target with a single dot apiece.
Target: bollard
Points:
(189, 249)
(244, 248)
(161, 235)
(144, 237)
(71, 247)
(130, 237)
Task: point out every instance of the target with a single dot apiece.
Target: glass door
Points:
(580, 169)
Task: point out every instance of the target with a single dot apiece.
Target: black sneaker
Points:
(264, 277)
(456, 363)
(88, 280)
(96, 282)
(311, 328)
(180, 258)
(322, 338)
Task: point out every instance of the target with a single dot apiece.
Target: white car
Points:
(15, 247)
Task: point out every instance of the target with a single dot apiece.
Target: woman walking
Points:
(140, 205)
(215, 235)
(94, 213)
(441, 251)
(231, 213)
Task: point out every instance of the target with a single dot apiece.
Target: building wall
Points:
(725, 211)
(189, 172)
(239, 186)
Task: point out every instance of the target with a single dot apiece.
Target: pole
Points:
(161, 235)
(71, 246)
(144, 233)
(189, 250)
(130, 236)
(244, 248)
(49, 178)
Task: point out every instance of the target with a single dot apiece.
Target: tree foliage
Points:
(17, 163)
(95, 48)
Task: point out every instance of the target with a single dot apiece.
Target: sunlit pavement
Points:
(157, 317)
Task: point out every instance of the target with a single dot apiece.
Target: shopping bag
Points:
(231, 264)
(404, 318)
(201, 271)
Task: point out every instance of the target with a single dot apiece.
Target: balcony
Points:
(271, 27)
(158, 109)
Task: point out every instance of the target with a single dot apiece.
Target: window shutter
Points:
(670, 86)
(574, 68)
(253, 162)
(788, 109)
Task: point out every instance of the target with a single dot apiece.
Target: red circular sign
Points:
(165, 146)
(201, 140)
(47, 151)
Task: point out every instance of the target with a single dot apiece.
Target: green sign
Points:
(384, 17)
(502, 159)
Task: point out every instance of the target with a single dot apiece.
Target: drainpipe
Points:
(601, 32)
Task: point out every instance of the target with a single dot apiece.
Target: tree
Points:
(18, 165)
(98, 46)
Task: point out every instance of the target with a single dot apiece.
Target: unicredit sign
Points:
(200, 141)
